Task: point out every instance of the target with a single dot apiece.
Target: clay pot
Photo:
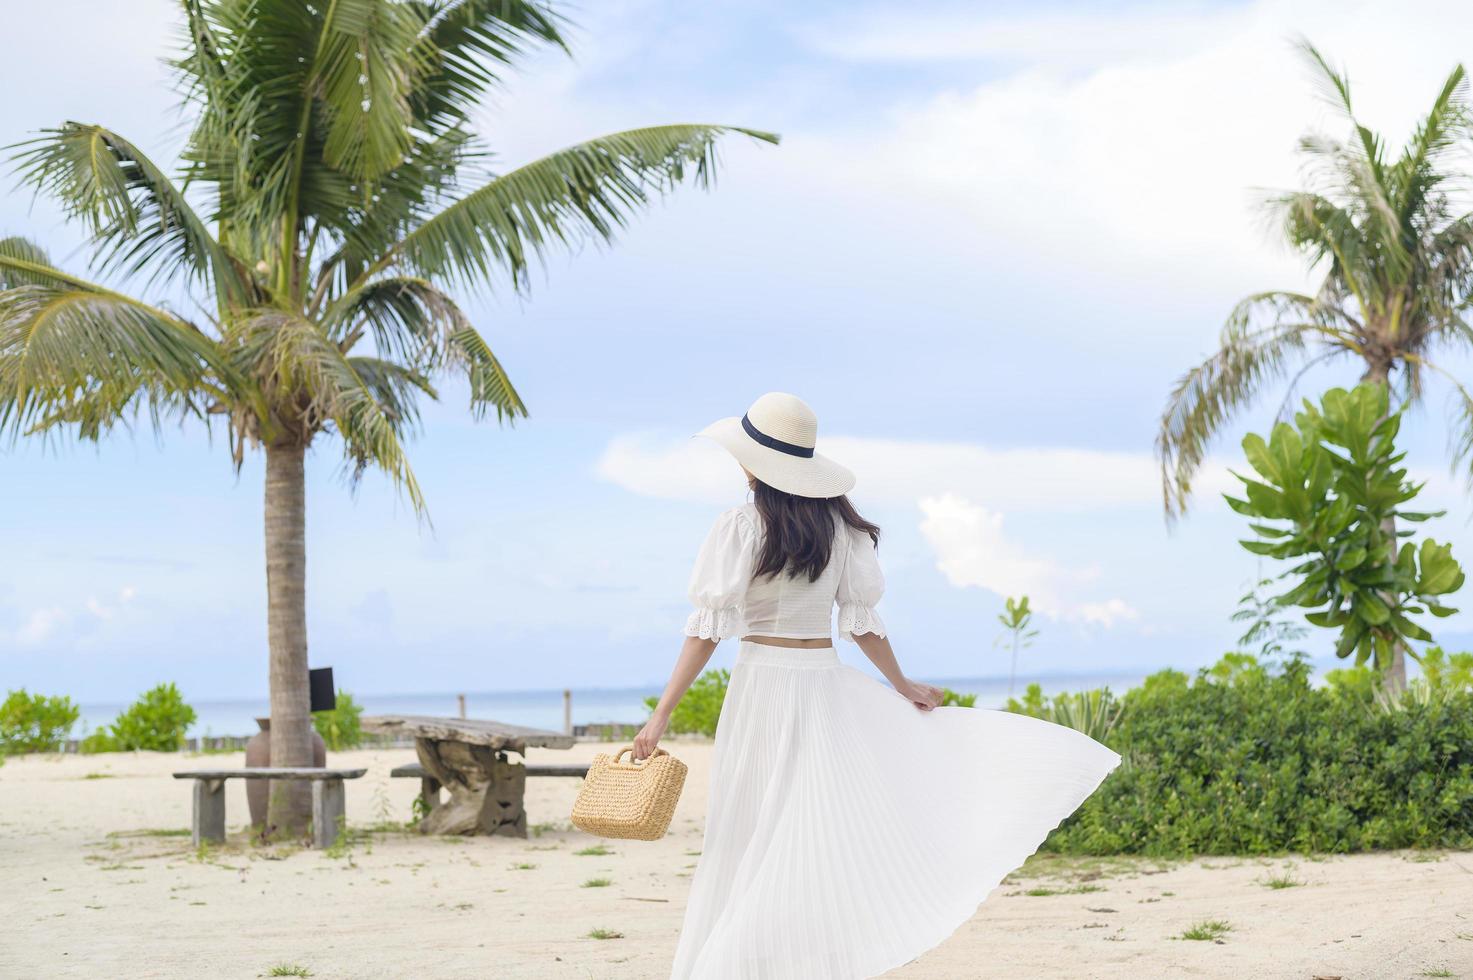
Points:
(258, 754)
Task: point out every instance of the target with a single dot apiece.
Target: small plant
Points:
(340, 728)
(1280, 882)
(289, 970)
(1210, 930)
(605, 934)
(35, 722)
(156, 722)
(953, 699)
(1438, 972)
(524, 866)
(1268, 628)
(597, 850)
(597, 883)
(1095, 712)
(1044, 892)
(1016, 619)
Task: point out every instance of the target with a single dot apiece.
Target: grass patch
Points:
(288, 970)
(597, 883)
(1441, 972)
(1209, 930)
(152, 832)
(1042, 892)
(597, 850)
(1280, 882)
(524, 866)
(99, 775)
(605, 934)
(550, 827)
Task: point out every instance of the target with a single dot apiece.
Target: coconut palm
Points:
(331, 201)
(1398, 265)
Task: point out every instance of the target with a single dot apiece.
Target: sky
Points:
(993, 236)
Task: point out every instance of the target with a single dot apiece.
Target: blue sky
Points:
(993, 236)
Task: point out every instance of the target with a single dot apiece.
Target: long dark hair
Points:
(799, 531)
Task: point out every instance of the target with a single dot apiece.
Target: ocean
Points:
(544, 709)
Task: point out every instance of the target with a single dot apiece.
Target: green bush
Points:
(1248, 760)
(340, 727)
(697, 712)
(35, 722)
(156, 722)
(953, 699)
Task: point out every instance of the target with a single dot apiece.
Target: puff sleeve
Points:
(861, 583)
(718, 583)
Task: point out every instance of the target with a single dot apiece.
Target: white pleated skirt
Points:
(848, 832)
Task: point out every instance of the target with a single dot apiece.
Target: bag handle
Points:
(630, 749)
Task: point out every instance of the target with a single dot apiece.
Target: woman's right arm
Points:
(694, 654)
(882, 655)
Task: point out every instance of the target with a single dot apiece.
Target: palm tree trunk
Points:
(290, 809)
(1394, 676)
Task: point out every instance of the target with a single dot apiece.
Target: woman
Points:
(850, 827)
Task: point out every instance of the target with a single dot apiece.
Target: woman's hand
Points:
(649, 736)
(923, 696)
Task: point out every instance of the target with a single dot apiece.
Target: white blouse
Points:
(730, 602)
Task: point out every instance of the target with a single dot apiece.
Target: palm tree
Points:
(330, 197)
(1398, 261)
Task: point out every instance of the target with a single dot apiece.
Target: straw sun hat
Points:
(775, 441)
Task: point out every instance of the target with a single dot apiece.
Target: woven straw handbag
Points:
(629, 800)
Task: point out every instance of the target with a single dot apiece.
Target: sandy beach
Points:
(101, 881)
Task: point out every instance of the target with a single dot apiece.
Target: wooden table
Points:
(467, 756)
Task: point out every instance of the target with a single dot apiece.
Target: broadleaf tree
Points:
(1327, 493)
(331, 210)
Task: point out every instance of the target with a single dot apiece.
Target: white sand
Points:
(88, 893)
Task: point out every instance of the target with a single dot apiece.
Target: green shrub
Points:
(156, 722)
(340, 727)
(698, 711)
(35, 722)
(952, 699)
(1251, 761)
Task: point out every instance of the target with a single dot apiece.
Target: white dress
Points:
(848, 832)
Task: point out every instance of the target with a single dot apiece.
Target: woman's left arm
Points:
(694, 654)
(882, 655)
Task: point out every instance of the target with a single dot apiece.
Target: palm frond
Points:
(138, 218)
(369, 63)
(491, 387)
(315, 385)
(468, 40)
(588, 190)
(415, 322)
(24, 263)
(89, 357)
(1249, 357)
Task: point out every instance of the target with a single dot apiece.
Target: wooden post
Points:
(328, 810)
(209, 811)
(567, 712)
(460, 702)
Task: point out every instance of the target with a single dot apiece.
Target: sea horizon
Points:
(543, 707)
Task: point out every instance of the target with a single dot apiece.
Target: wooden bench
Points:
(429, 786)
(328, 805)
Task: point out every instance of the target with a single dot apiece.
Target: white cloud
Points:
(40, 625)
(1016, 480)
(962, 491)
(1127, 144)
(972, 551)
